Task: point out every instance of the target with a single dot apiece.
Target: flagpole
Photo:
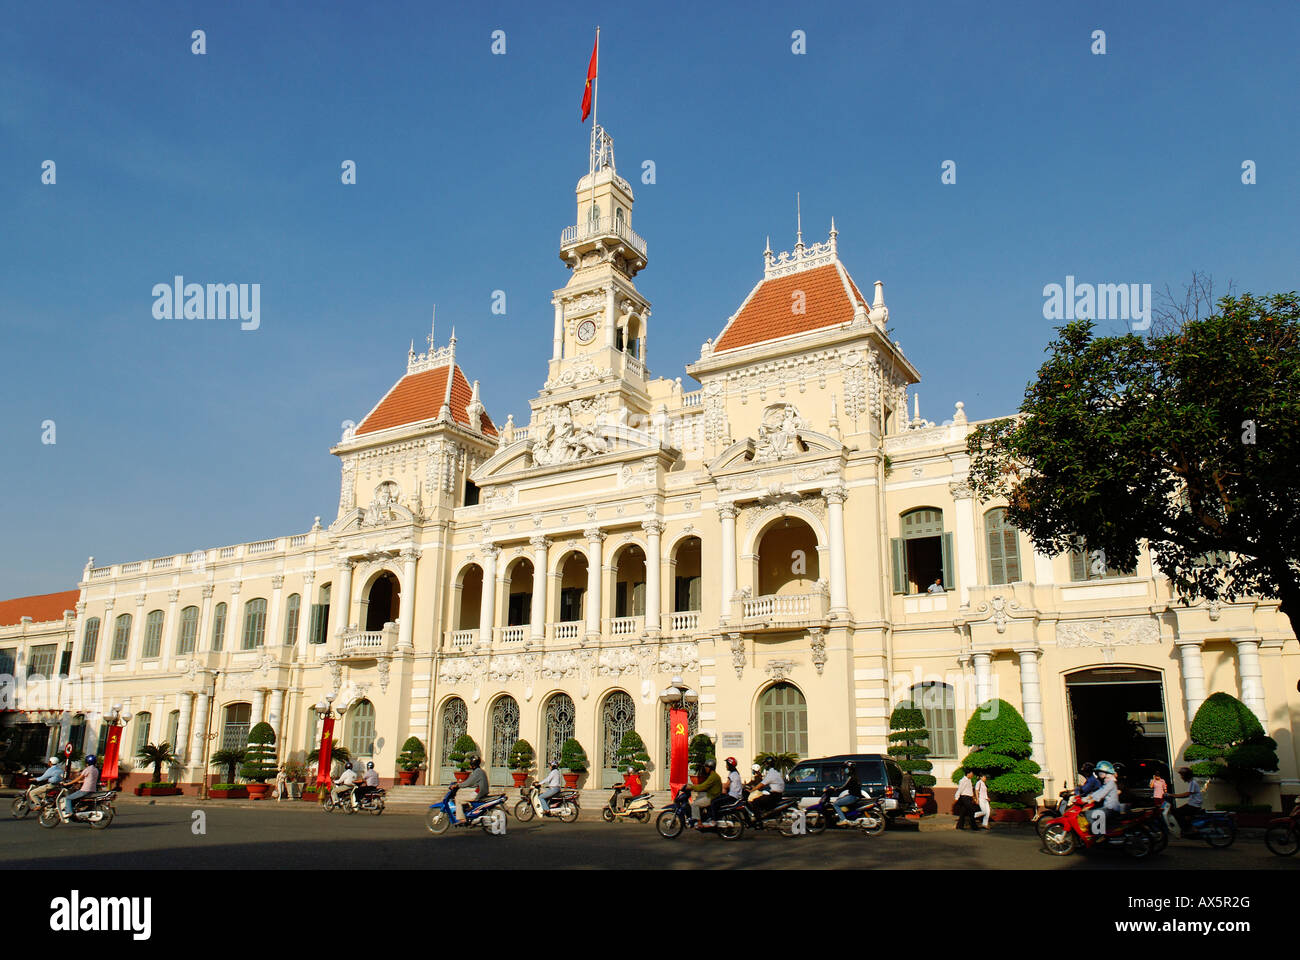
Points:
(595, 102)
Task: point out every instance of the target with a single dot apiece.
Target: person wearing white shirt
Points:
(551, 785)
(344, 785)
(982, 799)
(936, 587)
(773, 787)
(965, 805)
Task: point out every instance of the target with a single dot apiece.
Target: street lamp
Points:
(207, 737)
(324, 710)
(677, 694)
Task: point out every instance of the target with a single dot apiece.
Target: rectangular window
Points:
(40, 660)
(7, 661)
(320, 618)
(686, 594)
(471, 493)
(520, 609)
(571, 603)
(1088, 564)
(291, 620)
(254, 624)
(938, 705)
(142, 721)
(173, 727)
(153, 628)
(90, 640)
(189, 630)
(121, 637)
(65, 662)
(218, 626)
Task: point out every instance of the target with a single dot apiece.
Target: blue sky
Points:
(174, 435)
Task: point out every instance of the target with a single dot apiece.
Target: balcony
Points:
(625, 626)
(684, 621)
(462, 639)
(513, 636)
(368, 644)
(605, 229)
(784, 611)
(567, 630)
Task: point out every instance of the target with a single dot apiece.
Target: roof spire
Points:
(433, 329)
(798, 222)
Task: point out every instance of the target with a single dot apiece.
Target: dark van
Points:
(880, 776)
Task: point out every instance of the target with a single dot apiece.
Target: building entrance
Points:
(1118, 714)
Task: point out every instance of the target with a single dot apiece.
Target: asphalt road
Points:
(161, 836)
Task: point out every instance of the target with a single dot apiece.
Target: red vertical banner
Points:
(113, 746)
(677, 749)
(325, 759)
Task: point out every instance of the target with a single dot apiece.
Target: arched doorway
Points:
(503, 732)
(570, 607)
(628, 588)
(469, 598)
(617, 717)
(1117, 713)
(454, 723)
(519, 595)
(383, 601)
(788, 564)
(234, 727)
(559, 726)
(687, 580)
(783, 720)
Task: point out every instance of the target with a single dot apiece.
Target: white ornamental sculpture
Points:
(778, 434)
(565, 441)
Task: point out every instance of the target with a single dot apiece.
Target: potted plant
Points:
(295, 772)
(521, 761)
(698, 751)
(1002, 747)
(1229, 745)
(909, 743)
(410, 760)
(259, 760)
(573, 759)
(157, 755)
(228, 791)
(461, 751)
(227, 758)
(632, 757)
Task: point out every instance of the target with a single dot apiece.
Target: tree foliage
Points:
(632, 753)
(1187, 440)
(1229, 744)
(1002, 747)
(462, 750)
(412, 755)
(228, 759)
(157, 755)
(699, 751)
(522, 756)
(259, 759)
(909, 742)
(572, 757)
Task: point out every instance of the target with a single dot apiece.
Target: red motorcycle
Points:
(1071, 831)
(1283, 835)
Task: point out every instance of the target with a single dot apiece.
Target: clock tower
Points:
(598, 352)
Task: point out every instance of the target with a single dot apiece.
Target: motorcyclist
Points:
(551, 785)
(851, 790)
(1105, 798)
(1194, 796)
(369, 782)
(706, 791)
(85, 784)
(42, 785)
(478, 781)
(772, 785)
(1089, 781)
(755, 777)
(733, 791)
(346, 783)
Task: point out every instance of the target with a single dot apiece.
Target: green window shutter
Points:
(319, 618)
(1078, 565)
(997, 562)
(900, 565)
(1011, 553)
(949, 581)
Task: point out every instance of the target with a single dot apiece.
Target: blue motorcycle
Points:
(490, 814)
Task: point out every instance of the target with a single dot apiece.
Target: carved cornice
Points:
(654, 528)
(539, 543)
(836, 494)
(594, 534)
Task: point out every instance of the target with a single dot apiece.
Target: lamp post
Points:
(677, 695)
(324, 710)
(206, 736)
(120, 718)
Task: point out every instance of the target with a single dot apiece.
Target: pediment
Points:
(559, 448)
(802, 445)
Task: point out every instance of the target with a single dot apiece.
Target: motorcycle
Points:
(1072, 831)
(783, 815)
(865, 813)
(25, 803)
(1283, 834)
(563, 805)
(95, 809)
(489, 813)
(676, 816)
(639, 808)
(1218, 828)
(372, 801)
(1045, 816)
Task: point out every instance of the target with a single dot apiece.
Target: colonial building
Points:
(788, 540)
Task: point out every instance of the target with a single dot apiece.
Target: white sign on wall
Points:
(731, 740)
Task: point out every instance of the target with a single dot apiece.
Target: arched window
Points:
(618, 217)
(1004, 548)
(142, 721)
(173, 727)
(783, 720)
(218, 626)
(1088, 564)
(455, 721)
(361, 729)
(291, 620)
(923, 554)
(234, 730)
(121, 637)
(254, 624)
(559, 726)
(90, 640)
(153, 626)
(617, 717)
(505, 731)
(189, 629)
(939, 707)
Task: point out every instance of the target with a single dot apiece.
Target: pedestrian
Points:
(982, 798)
(281, 783)
(1159, 789)
(965, 805)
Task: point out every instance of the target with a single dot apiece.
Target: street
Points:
(162, 836)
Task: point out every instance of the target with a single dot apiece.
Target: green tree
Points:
(259, 759)
(412, 755)
(1001, 746)
(522, 756)
(909, 742)
(157, 755)
(699, 750)
(572, 757)
(462, 750)
(632, 753)
(1229, 744)
(1187, 440)
(784, 761)
(228, 759)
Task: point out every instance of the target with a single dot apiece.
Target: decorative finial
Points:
(834, 232)
(798, 221)
(433, 328)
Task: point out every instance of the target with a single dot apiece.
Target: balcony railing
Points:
(604, 227)
(625, 626)
(567, 630)
(459, 639)
(369, 642)
(684, 621)
(776, 609)
(515, 634)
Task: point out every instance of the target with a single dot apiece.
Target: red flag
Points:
(108, 769)
(325, 759)
(591, 78)
(677, 753)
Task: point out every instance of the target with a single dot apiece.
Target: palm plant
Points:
(229, 758)
(157, 755)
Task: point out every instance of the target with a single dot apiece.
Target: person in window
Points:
(706, 791)
(1195, 804)
(936, 587)
(84, 785)
(852, 790)
(52, 777)
(477, 781)
(551, 785)
(733, 791)
(346, 783)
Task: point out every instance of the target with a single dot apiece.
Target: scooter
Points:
(865, 814)
(563, 805)
(784, 815)
(639, 808)
(1218, 828)
(676, 817)
(25, 803)
(95, 809)
(1066, 834)
(372, 801)
(1283, 834)
(489, 813)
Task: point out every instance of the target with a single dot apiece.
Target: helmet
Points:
(710, 765)
(90, 759)
(54, 760)
(348, 765)
(770, 762)
(755, 768)
(370, 765)
(730, 762)
(555, 765)
(474, 762)
(850, 766)
(1104, 766)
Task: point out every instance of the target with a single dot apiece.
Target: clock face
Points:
(586, 331)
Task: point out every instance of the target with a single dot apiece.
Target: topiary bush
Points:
(909, 742)
(412, 756)
(522, 756)
(259, 758)
(632, 753)
(1229, 744)
(572, 757)
(462, 750)
(699, 750)
(1002, 747)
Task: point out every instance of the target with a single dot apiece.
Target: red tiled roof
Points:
(419, 396)
(41, 608)
(767, 314)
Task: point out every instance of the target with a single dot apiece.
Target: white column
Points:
(1031, 705)
(487, 608)
(276, 714)
(727, 513)
(653, 569)
(557, 343)
(304, 610)
(233, 637)
(274, 636)
(835, 497)
(1189, 652)
(259, 703)
(184, 703)
(171, 636)
(964, 543)
(201, 640)
(137, 634)
(406, 614)
(611, 315)
(537, 615)
(594, 569)
(983, 677)
(1251, 678)
(341, 597)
